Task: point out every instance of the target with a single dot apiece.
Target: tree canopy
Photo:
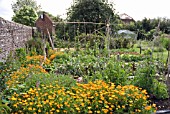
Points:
(26, 15)
(16, 6)
(97, 11)
(90, 10)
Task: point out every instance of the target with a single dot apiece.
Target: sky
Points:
(137, 9)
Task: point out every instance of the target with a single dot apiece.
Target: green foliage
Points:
(6, 68)
(21, 54)
(59, 43)
(77, 66)
(26, 15)
(91, 67)
(160, 90)
(149, 34)
(35, 46)
(4, 109)
(18, 4)
(147, 52)
(90, 40)
(147, 27)
(121, 43)
(131, 26)
(165, 42)
(115, 73)
(145, 78)
(159, 49)
(47, 79)
(132, 58)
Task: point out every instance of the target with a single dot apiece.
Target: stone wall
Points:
(12, 36)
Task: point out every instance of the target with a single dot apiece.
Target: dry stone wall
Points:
(12, 36)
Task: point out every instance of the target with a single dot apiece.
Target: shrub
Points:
(94, 97)
(116, 43)
(121, 43)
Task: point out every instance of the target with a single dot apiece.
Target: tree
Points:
(26, 15)
(16, 6)
(95, 11)
(148, 27)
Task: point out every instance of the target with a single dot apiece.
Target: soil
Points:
(162, 104)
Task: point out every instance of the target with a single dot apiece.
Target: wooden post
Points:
(44, 49)
(108, 38)
(118, 57)
(140, 49)
(168, 78)
(167, 60)
(50, 39)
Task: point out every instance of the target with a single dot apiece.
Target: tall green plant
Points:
(145, 77)
(115, 73)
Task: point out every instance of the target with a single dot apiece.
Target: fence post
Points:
(108, 38)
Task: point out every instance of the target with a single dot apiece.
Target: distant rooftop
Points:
(125, 16)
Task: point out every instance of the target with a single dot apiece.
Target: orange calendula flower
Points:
(148, 107)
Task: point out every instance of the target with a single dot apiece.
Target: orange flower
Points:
(148, 107)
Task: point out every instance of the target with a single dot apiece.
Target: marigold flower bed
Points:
(94, 97)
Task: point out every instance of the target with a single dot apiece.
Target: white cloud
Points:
(138, 9)
(55, 7)
(5, 9)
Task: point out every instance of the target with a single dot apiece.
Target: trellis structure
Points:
(105, 27)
